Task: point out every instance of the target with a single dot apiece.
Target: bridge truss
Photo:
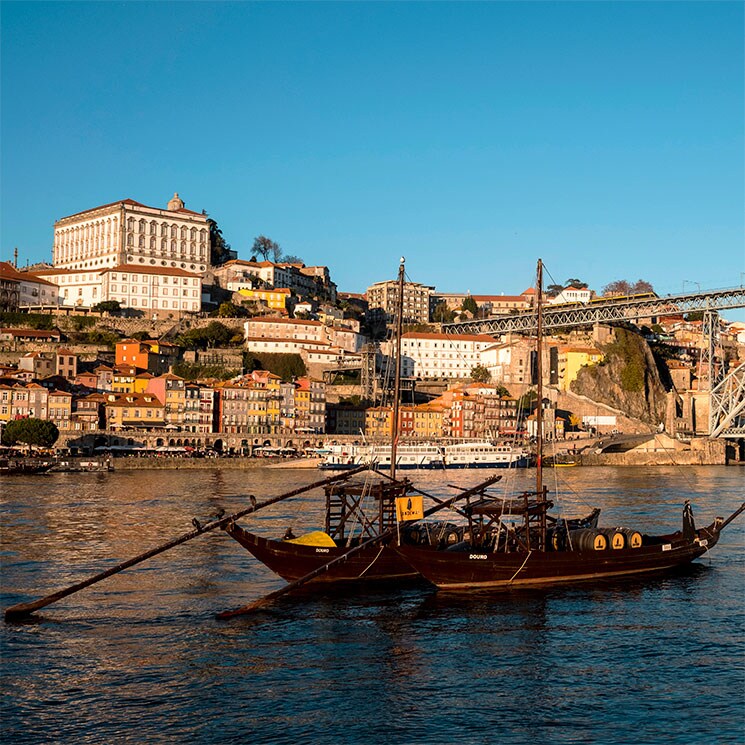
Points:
(605, 311)
(727, 405)
(727, 397)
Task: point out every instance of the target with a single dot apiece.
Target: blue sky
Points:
(472, 138)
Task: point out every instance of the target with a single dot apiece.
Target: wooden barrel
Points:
(559, 540)
(588, 539)
(633, 538)
(616, 537)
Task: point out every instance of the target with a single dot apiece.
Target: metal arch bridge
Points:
(727, 405)
(603, 311)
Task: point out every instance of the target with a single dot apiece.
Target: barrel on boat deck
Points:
(622, 537)
(616, 537)
(588, 539)
(633, 537)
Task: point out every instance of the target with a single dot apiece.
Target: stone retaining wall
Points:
(135, 464)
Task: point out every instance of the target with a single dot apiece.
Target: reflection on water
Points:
(141, 657)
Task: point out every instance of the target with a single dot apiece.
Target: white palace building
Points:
(145, 258)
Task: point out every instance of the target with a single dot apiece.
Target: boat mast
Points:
(539, 407)
(397, 380)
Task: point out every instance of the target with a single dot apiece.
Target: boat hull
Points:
(474, 569)
(518, 463)
(291, 561)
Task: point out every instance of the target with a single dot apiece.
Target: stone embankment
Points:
(245, 464)
(680, 458)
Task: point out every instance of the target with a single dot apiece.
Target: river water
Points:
(141, 658)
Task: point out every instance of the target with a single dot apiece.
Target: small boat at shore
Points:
(13, 466)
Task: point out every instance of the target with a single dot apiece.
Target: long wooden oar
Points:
(16, 612)
(370, 542)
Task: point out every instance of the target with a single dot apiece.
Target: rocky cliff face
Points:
(628, 379)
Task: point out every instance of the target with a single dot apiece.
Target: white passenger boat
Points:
(485, 454)
(345, 457)
(480, 454)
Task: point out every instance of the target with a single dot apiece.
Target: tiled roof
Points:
(144, 269)
(138, 399)
(34, 277)
(39, 333)
(276, 319)
(447, 337)
(284, 340)
(130, 203)
(9, 272)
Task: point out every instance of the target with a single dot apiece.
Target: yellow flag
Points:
(409, 508)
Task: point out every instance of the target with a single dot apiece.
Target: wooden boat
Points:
(355, 511)
(496, 554)
(13, 466)
(495, 557)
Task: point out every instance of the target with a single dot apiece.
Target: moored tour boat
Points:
(475, 454)
(484, 454)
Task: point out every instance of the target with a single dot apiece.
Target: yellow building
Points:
(141, 382)
(571, 359)
(275, 299)
(134, 411)
(59, 406)
(428, 421)
(264, 401)
(6, 399)
(378, 423)
(123, 379)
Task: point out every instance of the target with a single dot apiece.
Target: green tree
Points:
(219, 250)
(292, 259)
(525, 403)
(577, 284)
(231, 310)
(195, 371)
(479, 374)
(470, 305)
(215, 334)
(39, 432)
(287, 366)
(266, 247)
(112, 307)
(442, 314)
(80, 323)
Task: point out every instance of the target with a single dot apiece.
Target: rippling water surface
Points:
(141, 658)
